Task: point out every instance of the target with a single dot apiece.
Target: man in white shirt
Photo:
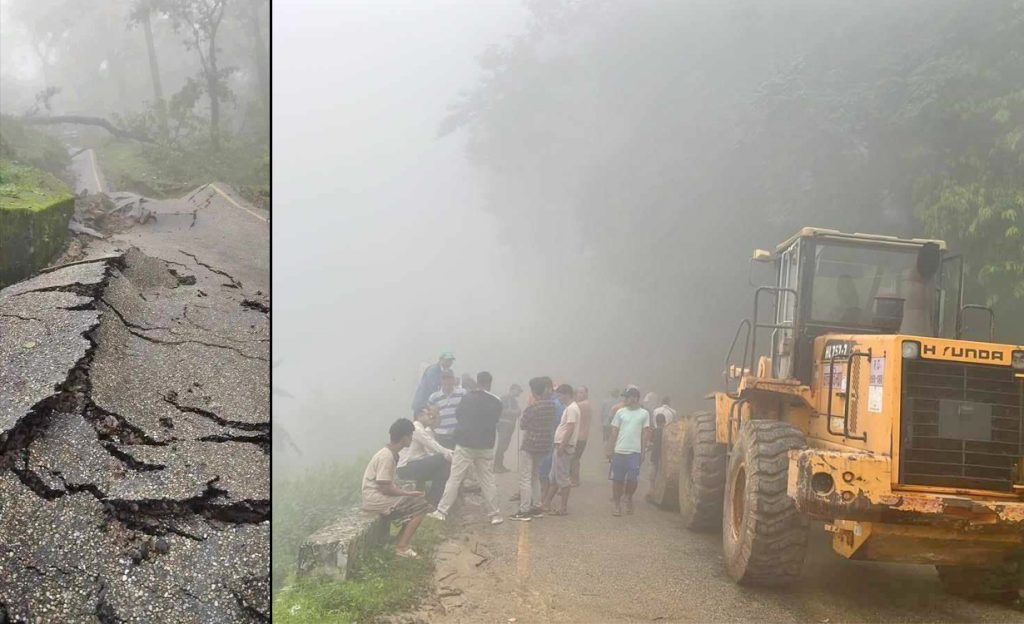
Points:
(380, 494)
(425, 459)
(566, 436)
(666, 410)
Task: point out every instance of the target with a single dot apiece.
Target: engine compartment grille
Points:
(961, 425)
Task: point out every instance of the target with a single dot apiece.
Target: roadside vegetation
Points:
(305, 502)
(162, 171)
(32, 147)
(310, 500)
(386, 584)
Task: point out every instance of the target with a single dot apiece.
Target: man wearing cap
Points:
(430, 382)
(445, 402)
(631, 429)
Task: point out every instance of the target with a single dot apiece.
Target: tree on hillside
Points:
(47, 23)
(200, 21)
(971, 188)
(253, 21)
(669, 135)
(141, 15)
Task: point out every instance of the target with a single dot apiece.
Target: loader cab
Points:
(830, 282)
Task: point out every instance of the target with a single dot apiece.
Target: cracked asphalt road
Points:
(135, 425)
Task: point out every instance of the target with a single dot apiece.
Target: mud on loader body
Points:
(868, 412)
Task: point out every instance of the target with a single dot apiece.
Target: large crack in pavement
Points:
(117, 504)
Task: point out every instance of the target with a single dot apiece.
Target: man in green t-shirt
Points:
(631, 428)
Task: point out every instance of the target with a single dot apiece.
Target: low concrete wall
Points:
(35, 208)
(336, 550)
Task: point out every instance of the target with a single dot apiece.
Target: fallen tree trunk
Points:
(87, 121)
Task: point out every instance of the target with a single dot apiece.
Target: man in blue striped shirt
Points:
(445, 401)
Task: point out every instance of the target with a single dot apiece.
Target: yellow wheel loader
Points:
(851, 398)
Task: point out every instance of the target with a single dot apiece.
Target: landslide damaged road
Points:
(592, 567)
(135, 424)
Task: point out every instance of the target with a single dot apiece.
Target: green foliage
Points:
(185, 157)
(386, 584)
(306, 502)
(701, 130)
(31, 146)
(159, 170)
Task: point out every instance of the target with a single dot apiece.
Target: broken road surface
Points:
(135, 425)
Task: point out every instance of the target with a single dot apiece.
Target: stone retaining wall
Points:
(337, 550)
(35, 208)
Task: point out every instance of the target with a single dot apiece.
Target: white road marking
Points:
(95, 171)
(236, 204)
(523, 551)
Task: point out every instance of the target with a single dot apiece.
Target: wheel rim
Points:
(739, 486)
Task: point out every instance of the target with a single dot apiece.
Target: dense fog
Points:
(574, 188)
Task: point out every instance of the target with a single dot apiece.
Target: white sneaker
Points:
(437, 515)
(497, 520)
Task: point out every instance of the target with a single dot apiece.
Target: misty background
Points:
(574, 188)
(391, 258)
(170, 94)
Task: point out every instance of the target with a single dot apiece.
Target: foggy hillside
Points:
(624, 159)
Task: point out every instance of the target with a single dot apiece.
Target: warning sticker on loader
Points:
(876, 385)
(838, 375)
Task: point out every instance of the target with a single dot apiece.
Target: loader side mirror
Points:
(760, 257)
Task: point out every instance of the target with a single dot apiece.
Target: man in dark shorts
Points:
(631, 428)
(380, 494)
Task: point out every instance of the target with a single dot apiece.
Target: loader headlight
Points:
(911, 350)
(1017, 359)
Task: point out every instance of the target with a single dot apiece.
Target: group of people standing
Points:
(459, 437)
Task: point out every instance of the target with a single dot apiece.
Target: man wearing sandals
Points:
(631, 427)
(380, 494)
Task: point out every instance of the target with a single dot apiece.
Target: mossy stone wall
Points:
(35, 208)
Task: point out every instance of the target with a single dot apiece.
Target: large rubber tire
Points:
(764, 536)
(701, 474)
(1000, 583)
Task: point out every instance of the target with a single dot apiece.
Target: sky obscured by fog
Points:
(382, 255)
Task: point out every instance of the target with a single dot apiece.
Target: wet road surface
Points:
(135, 423)
(592, 567)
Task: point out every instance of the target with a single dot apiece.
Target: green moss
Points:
(26, 188)
(35, 208)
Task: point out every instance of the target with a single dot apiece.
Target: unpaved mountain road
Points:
(593, 567)
(135, 423)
